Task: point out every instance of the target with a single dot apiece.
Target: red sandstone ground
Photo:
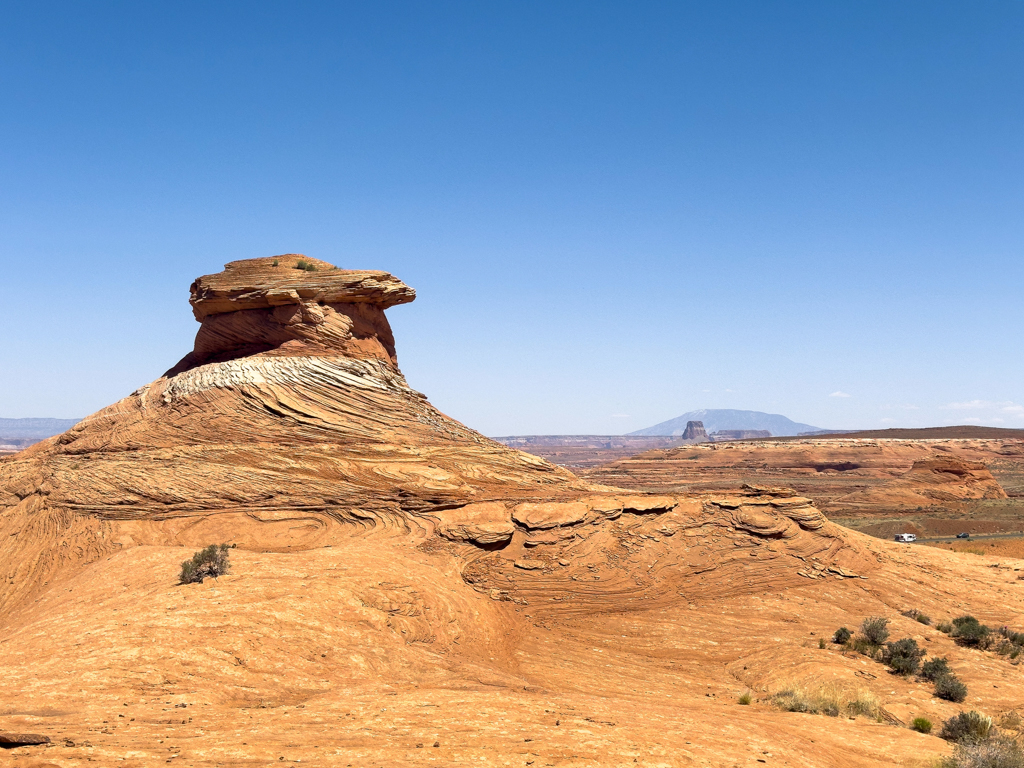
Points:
(404, 591)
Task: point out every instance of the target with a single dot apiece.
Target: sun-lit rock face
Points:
(290, 403)
(293, 305)
(399, 581)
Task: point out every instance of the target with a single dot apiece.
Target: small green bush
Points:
(967, 727)
(904, 656)
(276, 262)
(308, 266)
(970, 632)
(876, 629)
(921, 725)
(998, 752)
(212, 561)
(821, 642)
(842, 636)
(863, 645)
(951, 688)
(745, 699)
(944, 626)
(917, 616)
(935, 667)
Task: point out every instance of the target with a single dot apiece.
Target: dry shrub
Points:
(967, 727)
(830, 699)
(212, 561)
(998, 752)
(1011, 721)
(876, 629)
(951, 688)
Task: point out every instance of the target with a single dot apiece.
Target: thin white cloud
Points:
(1005, 407)
(621, 416)
(839, 393)
(970, 405)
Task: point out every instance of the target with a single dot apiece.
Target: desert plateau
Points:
(403, 591)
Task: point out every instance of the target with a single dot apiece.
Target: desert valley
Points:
(403, 591)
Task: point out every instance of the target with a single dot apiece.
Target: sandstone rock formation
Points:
(695, 431)
(404, 591)
(939, 478)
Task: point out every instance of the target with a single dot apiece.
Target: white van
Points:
(908, 537)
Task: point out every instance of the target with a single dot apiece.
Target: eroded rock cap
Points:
(292, 279)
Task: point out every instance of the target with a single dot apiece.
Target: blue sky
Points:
(612, 212)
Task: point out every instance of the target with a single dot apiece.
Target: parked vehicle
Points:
(963, 535)
(906, 537)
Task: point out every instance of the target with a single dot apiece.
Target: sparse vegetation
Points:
(951, 688)
(967, 727)
(276, 262)
(999, 752)
(308, 266)
(917, 616)
(875, 629)
(935, 667)
(1011, 720)
(944, 626)
(970, 632)
(921, 725)
(212, 561)
(821, 642)
(745, 699)
(842, 636)
(862, 645)
(829, 699)
(903, 656)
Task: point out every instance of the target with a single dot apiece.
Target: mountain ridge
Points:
(716, 419)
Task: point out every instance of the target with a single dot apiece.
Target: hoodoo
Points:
(405, 591)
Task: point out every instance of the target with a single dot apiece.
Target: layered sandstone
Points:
(936, 479)
(404, 591)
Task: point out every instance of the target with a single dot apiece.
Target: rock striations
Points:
(404, 591)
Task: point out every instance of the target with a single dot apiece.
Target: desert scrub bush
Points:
(829, 699)
(863, 645)
(212, 561)
(921, 725)
(745, 699)
(276, 262)
(842, 636)
(951, 688)
(821, 642)
(935, 667)
(1011, 720)
(308, 266)
(917, 616)
(998, 752)
(903, 657)
(944, 626)
(967, 727)
(970, 632)
(875, 629)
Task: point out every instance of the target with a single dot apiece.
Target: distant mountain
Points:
(34, 429)
(716, 419)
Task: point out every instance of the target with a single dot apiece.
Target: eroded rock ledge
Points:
(293, 305)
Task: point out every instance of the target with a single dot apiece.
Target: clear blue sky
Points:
(612, 212)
